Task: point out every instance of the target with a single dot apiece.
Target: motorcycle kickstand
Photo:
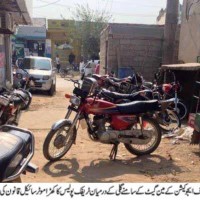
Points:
(113, 153)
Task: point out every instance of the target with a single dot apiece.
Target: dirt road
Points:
(89, 162)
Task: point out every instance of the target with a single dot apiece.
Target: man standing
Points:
(93, 66)
(58, 63)
(97, 70)
(71, 58)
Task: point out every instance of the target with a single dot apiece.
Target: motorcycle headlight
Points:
(46, 77)
(75, 100)
(15, 163)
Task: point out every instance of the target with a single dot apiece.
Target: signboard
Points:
(31, 32)
(19, 50)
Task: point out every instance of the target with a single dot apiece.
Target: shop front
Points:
(12, 13)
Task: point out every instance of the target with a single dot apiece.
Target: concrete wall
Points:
(189, 47)
(135, 46)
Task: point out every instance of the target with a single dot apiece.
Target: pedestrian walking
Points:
(72, 59)
(81, 66)
(93, 66)
(58, 63)
(97, 70)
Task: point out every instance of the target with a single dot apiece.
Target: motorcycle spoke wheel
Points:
(57, 143)
(170, 122)
(181, 110)
(150, 139)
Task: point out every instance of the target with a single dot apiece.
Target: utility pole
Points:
(171, 24)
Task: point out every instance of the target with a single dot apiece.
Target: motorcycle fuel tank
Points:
(99, 106)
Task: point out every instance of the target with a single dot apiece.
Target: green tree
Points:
(90, 24)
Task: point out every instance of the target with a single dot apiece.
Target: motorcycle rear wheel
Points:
(150, 126)
(58, 143)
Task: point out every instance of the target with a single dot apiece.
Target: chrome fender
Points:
(61, 123)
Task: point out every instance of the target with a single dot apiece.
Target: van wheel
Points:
(52, 89)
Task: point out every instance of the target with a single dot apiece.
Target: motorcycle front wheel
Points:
(58, 142)
(149, 140)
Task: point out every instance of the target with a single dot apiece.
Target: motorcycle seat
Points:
(10, 146)
(17, 101)
(117, 79)
(96, 76)
(118, 96)
(20, 93)
(19, 97)
(138, 107)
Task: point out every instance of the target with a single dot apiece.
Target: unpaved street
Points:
(89, 162)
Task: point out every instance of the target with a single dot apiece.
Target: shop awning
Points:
(183, 67)
(31, 33)
(18, 9)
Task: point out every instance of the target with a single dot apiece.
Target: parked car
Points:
(87, 69)
(43, 72)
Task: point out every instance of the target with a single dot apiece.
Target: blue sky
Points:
(123, 11)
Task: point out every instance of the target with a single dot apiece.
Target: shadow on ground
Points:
(99, 170)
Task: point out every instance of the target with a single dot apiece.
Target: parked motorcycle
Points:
(11, 104)
(16, 152)
(125, 85)
(168, 119)
(169, 91)
(23, 81)
(66, 72)
(111, 124)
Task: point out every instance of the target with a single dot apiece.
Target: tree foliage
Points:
(91, 23)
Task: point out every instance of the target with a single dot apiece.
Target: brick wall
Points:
(134, 46)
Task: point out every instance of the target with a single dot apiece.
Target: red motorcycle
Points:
(110, 123)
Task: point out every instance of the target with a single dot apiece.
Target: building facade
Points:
(62, 39)
(30, 40)
(12, 13)
(189, 48)
(128, 47)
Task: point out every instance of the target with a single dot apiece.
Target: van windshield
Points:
(40, 64)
